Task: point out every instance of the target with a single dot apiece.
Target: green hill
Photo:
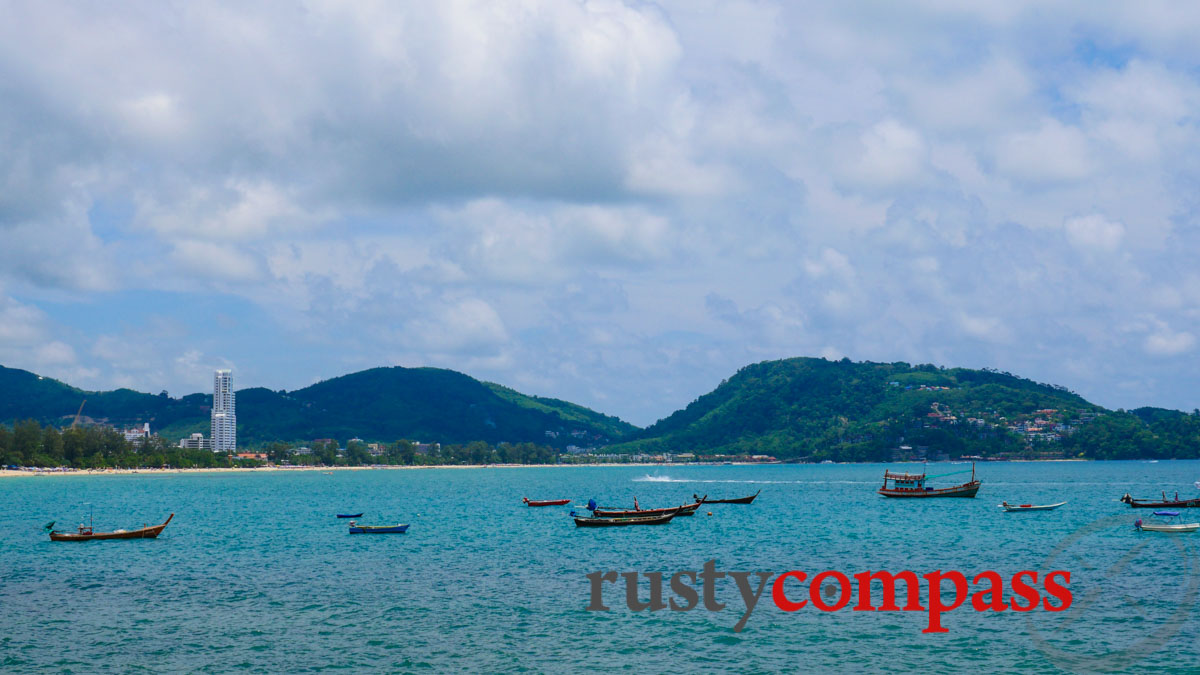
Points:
(801, 408)
(819, 409)
(381, 404)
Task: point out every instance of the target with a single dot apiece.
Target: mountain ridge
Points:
(378, 404)
(801, 408)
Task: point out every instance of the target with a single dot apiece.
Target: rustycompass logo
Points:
(934, 593)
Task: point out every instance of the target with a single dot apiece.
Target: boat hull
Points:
(1153, 527)
(964, 490)
(1182, 504)
(349, 515)
(547, 502)
(739, 500)
(378, 529)
(144, 533)
(687, 510)
(1030, 507)
(622, 522)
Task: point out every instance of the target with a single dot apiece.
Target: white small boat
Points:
(1029, 507)
(1166, 526)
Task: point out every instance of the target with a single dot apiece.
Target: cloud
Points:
(1051, 153)
(500, 242)
(215, 263)
(467, 326)
(597, 197)
(1094, 232)
(889, 155)
(28, 340)
(1166, 342)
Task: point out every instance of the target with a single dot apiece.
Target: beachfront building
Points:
(137, 435)
(224, 417)
(196, 442)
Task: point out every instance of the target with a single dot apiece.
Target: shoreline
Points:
(293, 469)
(30, 472)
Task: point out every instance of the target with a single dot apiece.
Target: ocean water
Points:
(256, 575)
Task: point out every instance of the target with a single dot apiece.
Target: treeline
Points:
(1168, 434)
(28, 443)
(814, 409)
(407, 453)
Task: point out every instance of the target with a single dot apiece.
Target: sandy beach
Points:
(263, 469)
(291, 469)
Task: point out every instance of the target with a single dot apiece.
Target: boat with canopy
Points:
(912, 485)
(1172, 523)
(86, 533)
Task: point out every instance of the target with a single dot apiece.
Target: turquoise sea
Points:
(256, 575)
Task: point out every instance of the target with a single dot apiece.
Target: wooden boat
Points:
(355, 528)
(88, 534)
(739, 500)
(912, 485)
(1166, 526)
(349, 515)
(1029, 507)
(595, 521)
(1176, 503)
(639, 512)
(545, 502)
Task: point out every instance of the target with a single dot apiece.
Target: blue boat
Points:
(349, 515)
(355, 528)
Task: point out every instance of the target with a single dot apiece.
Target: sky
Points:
(616, 204)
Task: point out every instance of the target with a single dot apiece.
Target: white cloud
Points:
(892, 154)
(1054, 152)
(830, 263)
(1094, 232)
(499, 242)
(1166, 342)
(216, 263)
(551, 192)
(464, 326)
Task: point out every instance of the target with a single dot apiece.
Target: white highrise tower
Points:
(224, 417)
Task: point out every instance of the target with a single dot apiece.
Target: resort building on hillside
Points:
(137, 435)
(196, 442)
(224, 417)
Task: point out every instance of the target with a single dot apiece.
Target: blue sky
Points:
(619, 204)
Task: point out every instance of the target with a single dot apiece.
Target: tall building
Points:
(224, 417)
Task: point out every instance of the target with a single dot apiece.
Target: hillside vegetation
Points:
(795, 409)
(381, 404)
(817, 409)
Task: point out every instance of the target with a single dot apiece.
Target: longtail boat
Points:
(739, 500)
(595, 521)
(349, 515)
(545, 502)
(639, 512)
(1176, 503)
(1172, 524)
(355, 528)
(1029, 507)
(912, 485)
(86, 533)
